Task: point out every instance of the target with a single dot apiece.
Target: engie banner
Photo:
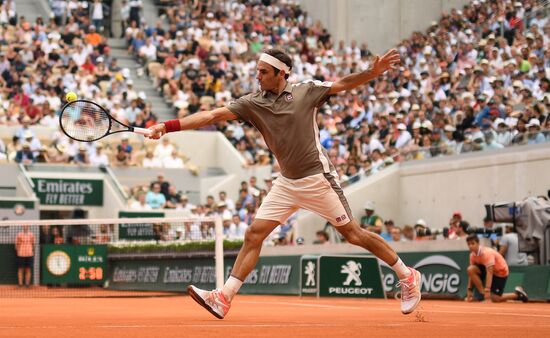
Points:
(443, 272)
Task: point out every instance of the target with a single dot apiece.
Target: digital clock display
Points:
(93, 273)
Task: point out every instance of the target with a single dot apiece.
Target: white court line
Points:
(204, 325)
(488, 307)
(378, 308)
(210, 325)
(307, 305)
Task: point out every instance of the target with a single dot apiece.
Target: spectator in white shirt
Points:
(173, 161)
(148, 52)
(237, 227)
(223, 211)
(99, 158)
(141, 203)
(50, 120)
(404, 136)
(164, 149)
(228, 201)
(150, 161)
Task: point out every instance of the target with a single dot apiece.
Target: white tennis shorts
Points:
(318, 193)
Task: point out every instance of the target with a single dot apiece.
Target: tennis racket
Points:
(87, 121)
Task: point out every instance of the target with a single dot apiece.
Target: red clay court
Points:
(266, 316)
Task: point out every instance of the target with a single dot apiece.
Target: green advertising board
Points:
(308, 275)
(535, 280)
(349, 276)
(63, 191)
(73, 264)
(272, 275)
(139, 231)
(443, 272)
(8, 264)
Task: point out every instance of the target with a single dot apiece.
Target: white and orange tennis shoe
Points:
(410, 291)
(214, 301)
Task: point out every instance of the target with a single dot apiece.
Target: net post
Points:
(218, 253)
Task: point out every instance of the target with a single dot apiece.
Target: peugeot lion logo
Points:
(310, 272)
(353, 285)
(353, 269)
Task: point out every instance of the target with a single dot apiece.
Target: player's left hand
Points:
(390, 60)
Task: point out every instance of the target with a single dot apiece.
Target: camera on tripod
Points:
(486, 232)
(426, 232)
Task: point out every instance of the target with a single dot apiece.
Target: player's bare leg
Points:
(250, 251)
(218, 302)
(409, 278)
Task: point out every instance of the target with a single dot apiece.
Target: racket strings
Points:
(84, 121)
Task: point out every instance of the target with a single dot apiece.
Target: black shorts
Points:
(25, 262)
(497, 285)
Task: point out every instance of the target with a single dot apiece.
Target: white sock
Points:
(401, 269)
(231, 287)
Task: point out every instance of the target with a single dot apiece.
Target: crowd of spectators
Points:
(475, 80)
(41, 61)
(501, 236)
(237, 214)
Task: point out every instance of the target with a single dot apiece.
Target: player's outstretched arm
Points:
(194, 121)
(380, 64)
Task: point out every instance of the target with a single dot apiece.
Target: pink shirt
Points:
(24, 244)
(490, 257)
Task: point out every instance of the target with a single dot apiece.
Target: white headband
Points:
(274, 62)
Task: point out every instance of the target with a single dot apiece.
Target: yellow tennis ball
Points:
(71, 96)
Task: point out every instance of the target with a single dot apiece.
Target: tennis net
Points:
(111, 257)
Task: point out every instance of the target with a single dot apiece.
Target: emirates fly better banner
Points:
(62, 191)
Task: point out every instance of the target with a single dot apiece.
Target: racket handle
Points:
(142, 131)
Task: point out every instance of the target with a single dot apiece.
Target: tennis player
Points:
(285, 115)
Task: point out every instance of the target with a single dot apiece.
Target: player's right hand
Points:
(157, 131)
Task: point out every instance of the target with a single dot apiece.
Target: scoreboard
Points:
(73, 264)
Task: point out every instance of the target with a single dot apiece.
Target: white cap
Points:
(415, 107)
(517, 83)
(497, 122)
(421, 222)
(401, 126)
(450, 128)
(533, 123)
(369, 205)
(416, 125)
(428, 125)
